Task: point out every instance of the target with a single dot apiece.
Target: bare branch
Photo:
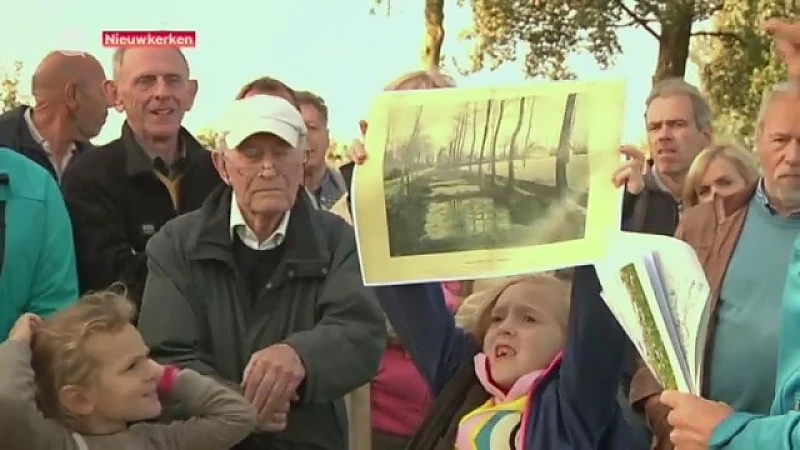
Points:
(719, 34)
(632, 22)
(461, 71)
(641, 21)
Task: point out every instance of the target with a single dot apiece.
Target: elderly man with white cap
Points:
(262, 290)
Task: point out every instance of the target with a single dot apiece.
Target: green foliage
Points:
(554, 29)
(207, 138)
(9, 88)
(735, 72)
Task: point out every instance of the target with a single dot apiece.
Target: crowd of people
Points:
(155, 294)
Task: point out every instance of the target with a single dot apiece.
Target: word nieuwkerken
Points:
(181, 39)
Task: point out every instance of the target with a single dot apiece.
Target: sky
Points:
(334, 48)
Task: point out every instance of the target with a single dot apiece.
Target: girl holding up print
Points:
(534, 374)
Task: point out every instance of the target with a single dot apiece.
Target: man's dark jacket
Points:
(15, 134)
(116, 203)
(196, 313)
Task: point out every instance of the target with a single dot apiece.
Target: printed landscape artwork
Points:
(661, 306)
(480, 183)
(655, 351)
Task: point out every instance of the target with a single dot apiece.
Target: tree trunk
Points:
(434, 34)
(483, 140)
(525, 150)
(512, 154)
(474, 135)
(411, 152)
(462, 136)
(562, 155)
(673, 47)
(493, 156)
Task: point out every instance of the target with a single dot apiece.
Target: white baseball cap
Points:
(260, 114)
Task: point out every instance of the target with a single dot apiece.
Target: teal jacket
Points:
(38, 273)
(781, 429)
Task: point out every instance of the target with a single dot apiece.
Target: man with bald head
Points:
(71, 108)
(120, 194)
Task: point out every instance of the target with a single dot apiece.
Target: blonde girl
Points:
(533, 374)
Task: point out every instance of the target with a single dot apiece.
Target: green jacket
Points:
(38, 273)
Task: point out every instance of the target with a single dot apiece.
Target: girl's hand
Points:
(25, 328)
(631, 172)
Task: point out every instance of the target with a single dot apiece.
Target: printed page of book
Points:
(685, 286)
(670, 320)
(688, 293)
(617, 303)
(631, 298)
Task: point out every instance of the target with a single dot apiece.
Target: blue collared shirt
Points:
(761, 196)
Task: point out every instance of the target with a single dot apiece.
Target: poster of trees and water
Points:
(482, 183)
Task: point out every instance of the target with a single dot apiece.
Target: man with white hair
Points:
(744, 243)
(262, 290)
(120, 194)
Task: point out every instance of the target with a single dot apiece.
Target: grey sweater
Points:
(221, 417)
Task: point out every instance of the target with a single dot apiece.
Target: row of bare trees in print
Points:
(477, 144)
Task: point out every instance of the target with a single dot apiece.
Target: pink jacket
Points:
(400, 397)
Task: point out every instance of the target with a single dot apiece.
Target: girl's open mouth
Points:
(503, 351)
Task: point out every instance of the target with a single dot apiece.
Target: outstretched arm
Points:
(592, 365)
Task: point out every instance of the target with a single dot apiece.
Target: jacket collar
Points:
(211, 237)
(725, 206)
(139, 163)
(238, 226)
(13, 123)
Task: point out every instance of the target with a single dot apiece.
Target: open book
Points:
(655, 287)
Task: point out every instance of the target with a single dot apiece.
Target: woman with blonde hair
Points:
(719, 171)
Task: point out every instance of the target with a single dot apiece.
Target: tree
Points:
(735, 73)
(554, 29)
(513, 146)
(10, 97)
(207, 138)
(563, 150)
(493, 155)
(482, 147)
(431, 56)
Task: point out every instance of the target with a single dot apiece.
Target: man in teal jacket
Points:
(703, 424)
(37, 253)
